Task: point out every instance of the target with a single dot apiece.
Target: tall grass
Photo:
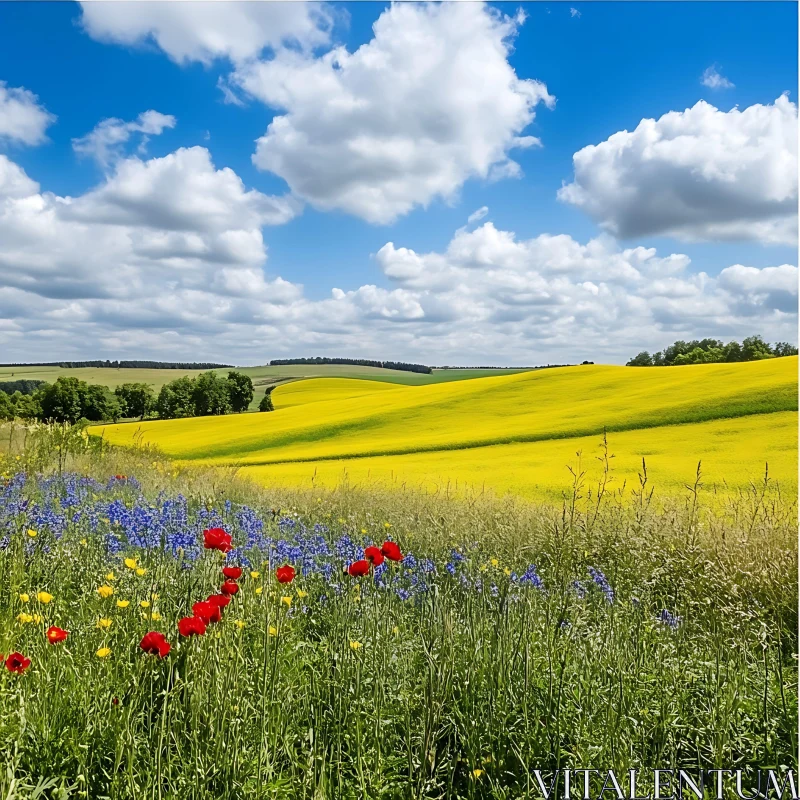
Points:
(661, 634)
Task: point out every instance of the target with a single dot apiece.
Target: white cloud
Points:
(478, 215)
(428, 103)
(698, 174)
(106, 141)
(22, 117)
(713, 79)
(203, 31)
(573, 12)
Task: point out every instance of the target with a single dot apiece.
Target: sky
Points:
(458, 183)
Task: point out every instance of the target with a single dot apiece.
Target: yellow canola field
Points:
(733, 454)
(317, 390)
(528, 407)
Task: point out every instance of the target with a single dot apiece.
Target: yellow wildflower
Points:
(387, 525)
(495, 562)
(239, 623)
(84, 543)
(141, 571)
(123, 603)
(111, 577)
(103, 652)
(37, 619)
(155, 616)
(44, 597)
(287, 601)
(259, 589)
(24, 597)
(507, 571)
(273, 631)
(301, 594)
(23, 618)
(355, 645)
(105, 590)
(104, 623)
(145, 604)
(131, 563)
(363, 530)
(255, 575)
(395, 630)
(476, 773)
(32, 533)
(341, 521)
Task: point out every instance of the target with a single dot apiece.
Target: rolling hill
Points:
(468, 430)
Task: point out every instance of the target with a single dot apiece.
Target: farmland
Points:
(511, 433)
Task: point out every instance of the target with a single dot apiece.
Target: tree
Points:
(240, 391)
(210, 395)
(99, 404)
(782, 349)
(732, 352)
(6, 407)
(135, 399)
(176, 399)
(266, 400)
(754, 348)
(62, 401)
(644, 359)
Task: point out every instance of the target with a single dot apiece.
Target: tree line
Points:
(711, 351)
(71, 399)
(358, 362)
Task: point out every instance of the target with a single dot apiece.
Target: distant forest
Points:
(713, 351)
(124, 364)
(358, 362)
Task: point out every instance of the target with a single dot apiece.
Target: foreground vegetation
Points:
(603, 633)
(514, 432)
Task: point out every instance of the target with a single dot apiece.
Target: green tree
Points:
(240, 391)
(210, 395)
(176, 399)
(63, 400)
(733, 352)
(99, 404)
(135, 399)
(784, 349)
(6, 407)
(644, 359)
(754, 348)
(266, 401)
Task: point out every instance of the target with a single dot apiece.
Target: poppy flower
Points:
(16, 662)
(234, 573)
(285, 574)
(217, 539)
(392, 551)
(229, 588)
(155, 644)
(191, 626)
(358, 568)
(373, 555)
(218, 600)
(120, 478)
(55, 635)
(207, 611)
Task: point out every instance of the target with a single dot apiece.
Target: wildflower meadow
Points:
(172, 633)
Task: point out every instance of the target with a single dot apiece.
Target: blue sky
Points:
(607, 66)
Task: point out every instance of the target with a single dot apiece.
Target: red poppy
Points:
(234, 573)
(218, 600)
(16, 662)
(229, 587)
(155, 644)
(358, 568)
(55, 635)
(207, 611)
(373, 555)
(392, 551)
(191, 626)
(285, 574)
(217, 539)
(120, 478)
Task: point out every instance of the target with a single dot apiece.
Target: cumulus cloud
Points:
(204, 31)
(698, 174)
(106, 142)
(166, 259)
(428, 103)
(713, 79)
(23, 119)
